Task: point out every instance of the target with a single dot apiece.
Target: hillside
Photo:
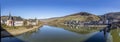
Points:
(113, 15)
(84, 16)
(49, 19)
(81, 16)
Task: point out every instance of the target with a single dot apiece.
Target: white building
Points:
(18, 23)
(32, 22)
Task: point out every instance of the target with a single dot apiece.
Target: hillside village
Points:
(18, 21)
(85, 18)
(10, 25)
(14, 23)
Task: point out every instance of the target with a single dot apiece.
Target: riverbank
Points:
(115, 34)
(99, 26)
(18, 31)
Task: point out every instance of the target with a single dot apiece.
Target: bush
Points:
(5, 26)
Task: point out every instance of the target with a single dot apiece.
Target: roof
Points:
(32, 20)
(15, 18)
(4, 18)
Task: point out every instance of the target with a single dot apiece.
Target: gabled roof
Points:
(15, 18)
(32, 20)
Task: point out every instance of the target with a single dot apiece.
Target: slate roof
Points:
(15, 18)
(32, 20)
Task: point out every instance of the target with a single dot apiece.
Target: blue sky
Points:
(55, 8)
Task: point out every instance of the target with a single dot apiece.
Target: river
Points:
(66, 34)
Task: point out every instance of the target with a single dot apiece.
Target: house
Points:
(115, 20)
(3, 21)
(32, 22)
(12, 20)
(18, 21)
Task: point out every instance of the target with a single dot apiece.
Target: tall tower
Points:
(37, 21)
(10, 21)
(9, 17)
(105, 20)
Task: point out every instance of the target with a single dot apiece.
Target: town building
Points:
(32, 22)
(10, 21)
(18, 21)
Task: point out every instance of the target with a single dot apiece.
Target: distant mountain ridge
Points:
(81, 16)
(81, 13)
(84, 16)
(113, 15)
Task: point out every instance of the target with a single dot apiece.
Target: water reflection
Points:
(54, 34)
(5, 35)
(106, 34)
(97, 37)
(115, 35)
(80, 30)
(61, 33)
(27, 36)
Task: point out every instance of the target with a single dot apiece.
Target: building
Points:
(116, 20)
(4, 19)
(32, 22)
(18, 21)
(10, 21)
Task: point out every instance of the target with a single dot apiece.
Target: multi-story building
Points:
(10, 21)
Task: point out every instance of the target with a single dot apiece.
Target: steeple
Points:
(9, 13)
(10, 17)
(35, 18)
(10, 21)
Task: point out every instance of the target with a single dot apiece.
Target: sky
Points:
(42, 9)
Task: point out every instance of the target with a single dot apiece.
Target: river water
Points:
(66, 34)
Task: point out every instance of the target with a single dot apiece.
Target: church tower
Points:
(10, 21)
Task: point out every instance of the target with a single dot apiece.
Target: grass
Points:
(76, 18)
(115, 35)
(16, 30)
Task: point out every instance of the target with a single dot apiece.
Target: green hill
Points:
(81, 16)
(113, 15)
